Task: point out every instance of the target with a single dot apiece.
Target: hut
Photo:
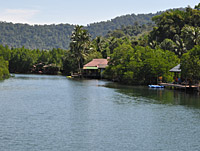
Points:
(37, 68)
(179, 83)
(94, 68)
(51, 69)
(177, 71)
(41, 68)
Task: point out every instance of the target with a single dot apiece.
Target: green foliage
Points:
(102, 28)
(190, 36)
(43, 37)
(4, 57)
(117, 62)
(5, 52)
(92, 55)
(4, 73)
(47, 37)
(140, 65)
(177, 30)
(131, 31)
(79, 45)
(168, 44)
(197, 6)
(21, 60)
(190, 64)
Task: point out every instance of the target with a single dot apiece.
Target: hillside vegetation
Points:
(35, 37)
(46, 37)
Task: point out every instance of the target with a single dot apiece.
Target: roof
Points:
(175, 69)
(98, 63)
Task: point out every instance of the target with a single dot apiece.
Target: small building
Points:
(179, 83)
(176, 70)
(51, 69)
(94, 68)
(37, 68)
(41, 68)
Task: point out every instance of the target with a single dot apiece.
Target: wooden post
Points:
(185, 83)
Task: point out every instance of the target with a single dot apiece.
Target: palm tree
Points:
(79, 45)
(191, 36)
(197, 7)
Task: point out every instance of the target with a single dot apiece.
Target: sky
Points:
(82, 12)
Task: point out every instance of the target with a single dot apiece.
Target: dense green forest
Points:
(139, 53)
(45, 37)
(22, 60)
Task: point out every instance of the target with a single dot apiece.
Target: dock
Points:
(181, 86)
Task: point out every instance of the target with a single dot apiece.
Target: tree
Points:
(118, 62)
(197, 6)
(140, 65)
(79, 45)
(4, 73)
(182, 27)
(168, 44)
(169, 24)
(190, 64)
(190, 36)
(181, 48)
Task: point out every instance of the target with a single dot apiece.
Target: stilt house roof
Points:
(96, 64)
(175, 69)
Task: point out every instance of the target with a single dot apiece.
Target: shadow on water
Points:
(37, 77)
(145, 94)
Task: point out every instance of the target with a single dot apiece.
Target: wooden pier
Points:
(181, 86)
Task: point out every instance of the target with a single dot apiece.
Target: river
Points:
(53, 113)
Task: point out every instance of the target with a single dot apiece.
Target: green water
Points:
(53, 113)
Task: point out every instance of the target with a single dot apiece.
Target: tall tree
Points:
(190, 64)
(79, 45)
(182, 27)
(191, 36)
(4, 73)
(197, 6)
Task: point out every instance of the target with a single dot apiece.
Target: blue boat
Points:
(156, 86)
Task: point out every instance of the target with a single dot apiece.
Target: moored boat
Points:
(156, 86)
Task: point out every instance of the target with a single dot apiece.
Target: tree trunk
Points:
(79, 68)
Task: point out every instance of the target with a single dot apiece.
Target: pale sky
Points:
(81, 12)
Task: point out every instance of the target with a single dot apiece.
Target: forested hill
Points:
(35, 37)
(102, 28)
(58, 36)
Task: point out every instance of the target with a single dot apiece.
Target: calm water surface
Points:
(52, 113)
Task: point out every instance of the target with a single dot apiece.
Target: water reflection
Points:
(36, 77)
(158, 96)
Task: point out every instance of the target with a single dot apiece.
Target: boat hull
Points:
(156, 86)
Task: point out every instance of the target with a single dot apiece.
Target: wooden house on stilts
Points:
(95, 68)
